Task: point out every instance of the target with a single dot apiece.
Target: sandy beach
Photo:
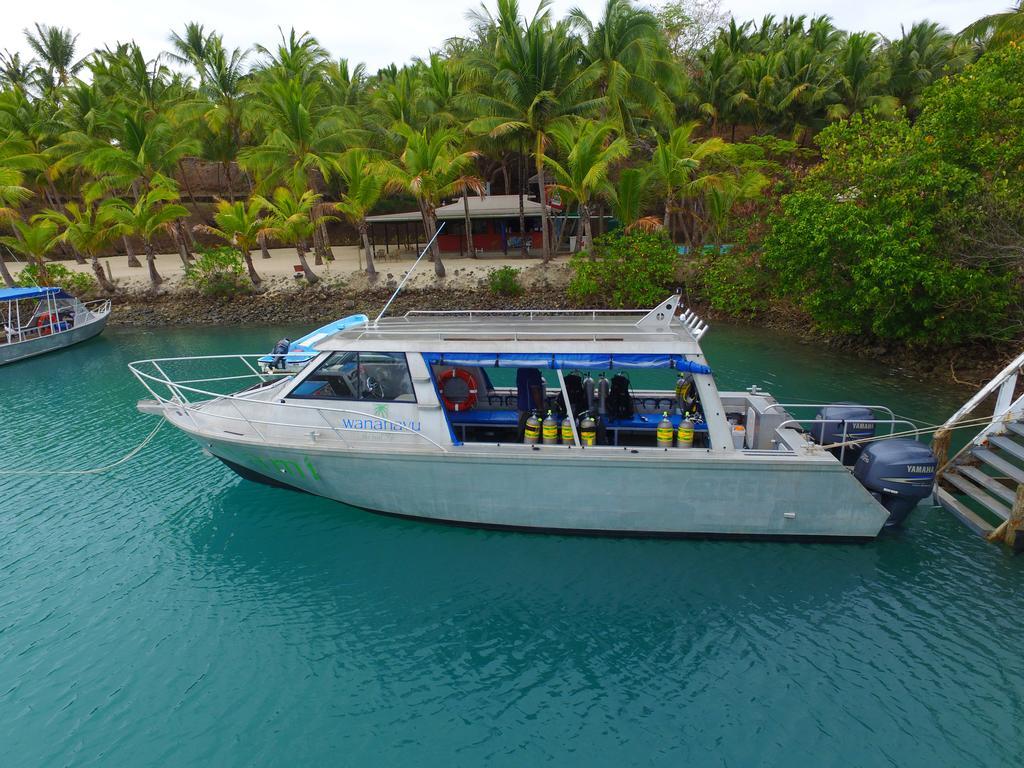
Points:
(347, 269)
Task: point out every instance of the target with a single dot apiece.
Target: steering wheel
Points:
(373, 388)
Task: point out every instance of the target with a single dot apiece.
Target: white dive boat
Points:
(400, 416)
(39, 320)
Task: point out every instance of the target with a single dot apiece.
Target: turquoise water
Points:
(170, 614)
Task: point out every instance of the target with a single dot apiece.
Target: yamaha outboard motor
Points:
(840, 423)
(281, 349)
(899, 473)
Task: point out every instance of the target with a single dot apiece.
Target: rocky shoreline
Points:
(315, 305)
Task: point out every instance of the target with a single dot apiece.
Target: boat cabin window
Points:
(379, 376)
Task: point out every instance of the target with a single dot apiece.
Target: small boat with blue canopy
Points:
(575, 421)
(43, 319)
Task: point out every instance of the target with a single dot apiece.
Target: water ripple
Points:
(168, 613)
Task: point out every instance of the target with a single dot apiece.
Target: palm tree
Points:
(12, 195)
(88, 229)
(191, 47)
(224, 105)
(629, 195)
(429, 168)
(143, 148)
(918, 58)
(33, 241)
(15, 73)
(862, 81)
(55, 47)
(239, 224)
(304, 139)
(536, 81)
(154, 211)
(998, 29)
(676, 166)
(721, 199)
(296, 56)
(589, 150)
(363, 189)
(290, 218)
(628, 47)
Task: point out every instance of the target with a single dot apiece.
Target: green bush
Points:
(217, 272)
(733, 281)
(505, 282)
(75, 283)
(625, 269)
(910, 230)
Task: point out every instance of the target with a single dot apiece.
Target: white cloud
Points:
(388, 31)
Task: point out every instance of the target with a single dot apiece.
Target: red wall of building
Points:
(488, 241)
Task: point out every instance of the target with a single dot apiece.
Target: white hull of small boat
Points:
(40, 345)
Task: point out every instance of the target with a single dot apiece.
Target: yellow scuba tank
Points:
(588, 430)
(532, 433)
(567, 431)
(665, 431)
(549, 429)
(685, 433)
(684, 392)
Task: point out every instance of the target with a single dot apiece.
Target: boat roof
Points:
(659, 330)
(34, 292)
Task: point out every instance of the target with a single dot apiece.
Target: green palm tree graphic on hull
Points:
(380, 411)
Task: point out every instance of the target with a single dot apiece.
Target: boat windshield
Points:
(380, 376)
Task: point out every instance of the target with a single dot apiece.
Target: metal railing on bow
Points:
(249, 408)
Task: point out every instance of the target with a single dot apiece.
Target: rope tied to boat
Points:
(96, 471)
(978, 421)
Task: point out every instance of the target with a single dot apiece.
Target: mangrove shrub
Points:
(625, 269)
(913, 231)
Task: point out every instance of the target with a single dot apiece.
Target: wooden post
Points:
(940, 447)
(1014, 536)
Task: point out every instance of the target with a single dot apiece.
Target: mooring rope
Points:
(977, 421)
(98, 470)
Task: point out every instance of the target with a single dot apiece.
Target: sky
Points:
(383, 31)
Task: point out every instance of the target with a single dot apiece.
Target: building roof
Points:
(490, 207)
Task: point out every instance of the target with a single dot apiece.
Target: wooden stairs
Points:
(983, 484)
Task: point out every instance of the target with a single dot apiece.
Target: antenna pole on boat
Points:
(399, 288)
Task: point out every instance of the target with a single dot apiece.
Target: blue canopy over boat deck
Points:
(556, 361)
(34, 292)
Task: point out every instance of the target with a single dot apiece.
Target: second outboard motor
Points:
(840, 423)
(899, 473)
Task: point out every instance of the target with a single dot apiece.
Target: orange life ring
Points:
(467, 379)
(45, 324)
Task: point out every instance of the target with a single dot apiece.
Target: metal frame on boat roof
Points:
(561, 326)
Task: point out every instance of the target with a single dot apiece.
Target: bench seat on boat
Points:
(650, 421)
(482, 417)
(489, 418)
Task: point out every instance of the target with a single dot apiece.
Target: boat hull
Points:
(573, 491)
(11, 353)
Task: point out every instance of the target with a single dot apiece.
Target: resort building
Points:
(494, 219)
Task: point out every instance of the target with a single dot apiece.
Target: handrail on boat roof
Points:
(530, 312)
